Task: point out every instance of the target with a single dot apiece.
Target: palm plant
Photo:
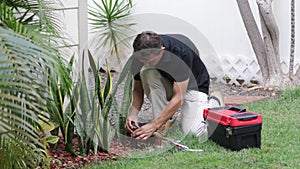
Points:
(38, 16)
(27, 64)
(24, 68)
(37, 20)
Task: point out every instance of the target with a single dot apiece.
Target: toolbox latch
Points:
(228, 132)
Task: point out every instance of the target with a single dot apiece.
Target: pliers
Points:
(184, 147)
(178, 146)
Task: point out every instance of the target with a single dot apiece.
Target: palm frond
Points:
(8, 20)
(40, 13)
(40, 18)
(24, 76)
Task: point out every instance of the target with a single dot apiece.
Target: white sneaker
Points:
(202, 134)
(216, 99)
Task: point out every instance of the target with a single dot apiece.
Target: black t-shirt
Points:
(179, 62)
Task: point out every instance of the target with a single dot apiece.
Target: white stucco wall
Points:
(69, 17)
(214, 25)
(219, 21)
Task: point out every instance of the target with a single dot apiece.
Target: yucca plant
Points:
(93, 106)
(109, 21)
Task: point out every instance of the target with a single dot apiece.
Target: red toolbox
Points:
(233, 127)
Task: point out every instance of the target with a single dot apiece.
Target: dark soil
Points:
(60, 158)
(245, 90)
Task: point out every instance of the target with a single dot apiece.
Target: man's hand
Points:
(131, 119)
(144, 132)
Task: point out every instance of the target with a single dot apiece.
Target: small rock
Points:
(250, 85)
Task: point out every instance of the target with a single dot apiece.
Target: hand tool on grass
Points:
(177, 145)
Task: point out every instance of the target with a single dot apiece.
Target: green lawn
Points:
(280, 144)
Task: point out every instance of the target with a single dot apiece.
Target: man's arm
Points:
(138, 99)
(146, 131)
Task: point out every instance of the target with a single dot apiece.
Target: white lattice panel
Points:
(240, 70)
(214, 67)
(285, 63)
(296, 67)
(284, 66)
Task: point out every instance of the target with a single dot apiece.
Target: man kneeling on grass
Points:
(168, 69)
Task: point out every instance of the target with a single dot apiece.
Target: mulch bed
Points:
(60, 158)
(234, 95)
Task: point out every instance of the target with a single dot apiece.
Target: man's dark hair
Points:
(147, 40)
(145, 44)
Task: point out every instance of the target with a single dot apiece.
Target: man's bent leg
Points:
(192, 113)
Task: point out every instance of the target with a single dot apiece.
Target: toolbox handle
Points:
(244, 116)
(237, 109)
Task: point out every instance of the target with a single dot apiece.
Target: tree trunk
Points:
(271, 41)
(266, 49)
(292, 47)
(254, 35)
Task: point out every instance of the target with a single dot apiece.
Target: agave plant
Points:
(93, 106)
(120, 110)
(61, 108)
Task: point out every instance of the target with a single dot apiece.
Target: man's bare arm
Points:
(137, 102)
(179, 90)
